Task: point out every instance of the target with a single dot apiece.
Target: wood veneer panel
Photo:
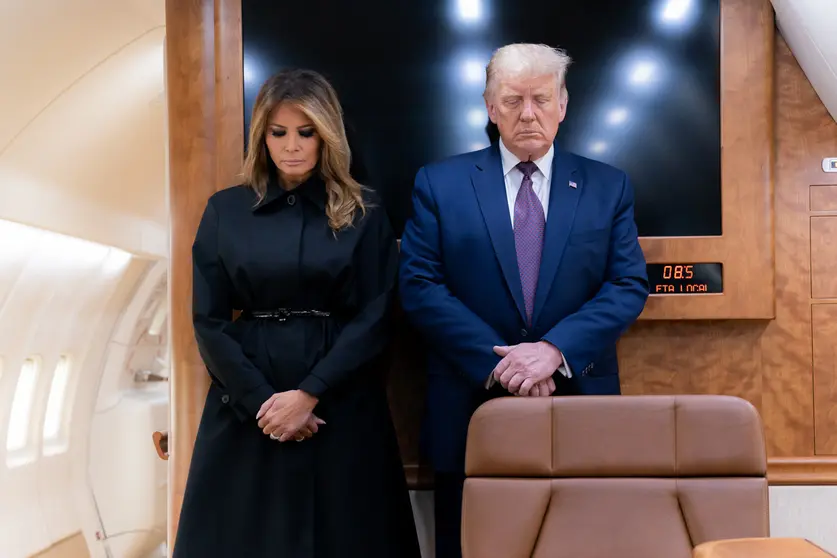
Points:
(805, 133)
(666, 358)
(824, 327)
(824, 256)
(824, 197)
(229, 93)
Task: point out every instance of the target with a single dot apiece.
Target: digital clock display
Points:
(686, 278)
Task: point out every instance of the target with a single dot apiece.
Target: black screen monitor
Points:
(644, 87)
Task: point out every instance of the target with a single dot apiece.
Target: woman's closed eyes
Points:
(305, 133)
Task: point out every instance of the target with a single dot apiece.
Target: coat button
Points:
(225, 399)
(291, 199)
(524, 333)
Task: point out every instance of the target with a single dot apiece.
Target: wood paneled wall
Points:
(787, 366)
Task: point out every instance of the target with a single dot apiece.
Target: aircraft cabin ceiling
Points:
(82, 119)
(82, 111)
(810, 29)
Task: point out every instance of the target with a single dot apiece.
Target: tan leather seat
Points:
(612, 477)
(760, 548)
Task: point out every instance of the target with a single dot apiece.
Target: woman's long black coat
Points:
(341, 493)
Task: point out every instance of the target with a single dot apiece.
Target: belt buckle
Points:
(282, 315)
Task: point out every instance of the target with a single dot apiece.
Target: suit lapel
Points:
(563, 200)
(490, 187)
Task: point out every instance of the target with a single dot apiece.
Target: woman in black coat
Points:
(296, 455)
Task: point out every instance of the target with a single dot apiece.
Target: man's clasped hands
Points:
(526, 369)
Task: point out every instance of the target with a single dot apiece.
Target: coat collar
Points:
(312, 189)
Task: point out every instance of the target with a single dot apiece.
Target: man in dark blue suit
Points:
(520, 266)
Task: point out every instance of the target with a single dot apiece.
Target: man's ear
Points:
(563, 100)
(491, 109)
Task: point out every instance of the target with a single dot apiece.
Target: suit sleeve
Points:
(212, 316)
(454, 330)
(367, 334)
(599, 323)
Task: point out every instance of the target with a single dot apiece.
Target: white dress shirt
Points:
(541, 182)
(541, 178)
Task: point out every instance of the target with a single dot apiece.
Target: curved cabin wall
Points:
(755, 341)
(808, 27)
(82, 153)
(59, 300)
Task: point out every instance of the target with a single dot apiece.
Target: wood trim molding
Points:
(781, 471)
(802, 471)
(229, 93)
(747, 173)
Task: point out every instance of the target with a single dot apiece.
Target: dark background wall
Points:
(644, 87)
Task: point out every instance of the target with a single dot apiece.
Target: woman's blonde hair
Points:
(314, 96)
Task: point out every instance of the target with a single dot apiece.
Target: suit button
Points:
(291, 199)
(225, 399)
(524, 333)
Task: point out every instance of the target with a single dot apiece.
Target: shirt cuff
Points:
(565, 369)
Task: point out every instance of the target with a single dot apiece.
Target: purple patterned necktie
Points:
(528, 235)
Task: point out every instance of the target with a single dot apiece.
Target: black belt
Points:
(283, 314)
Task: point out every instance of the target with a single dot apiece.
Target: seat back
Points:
(612, 476)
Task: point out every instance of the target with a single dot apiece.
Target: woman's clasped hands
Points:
(289, 415)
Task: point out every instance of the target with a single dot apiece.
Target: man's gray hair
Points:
(525, 60)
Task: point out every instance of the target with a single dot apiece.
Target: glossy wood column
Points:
(204, 83)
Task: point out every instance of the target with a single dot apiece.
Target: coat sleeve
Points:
(212, 310)
(367, 334)
(599, 323)
(458, 334)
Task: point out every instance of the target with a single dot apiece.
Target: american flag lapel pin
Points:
(573, 184)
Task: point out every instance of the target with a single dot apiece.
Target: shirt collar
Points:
(510, 160)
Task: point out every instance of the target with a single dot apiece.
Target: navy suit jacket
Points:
(460, 285)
